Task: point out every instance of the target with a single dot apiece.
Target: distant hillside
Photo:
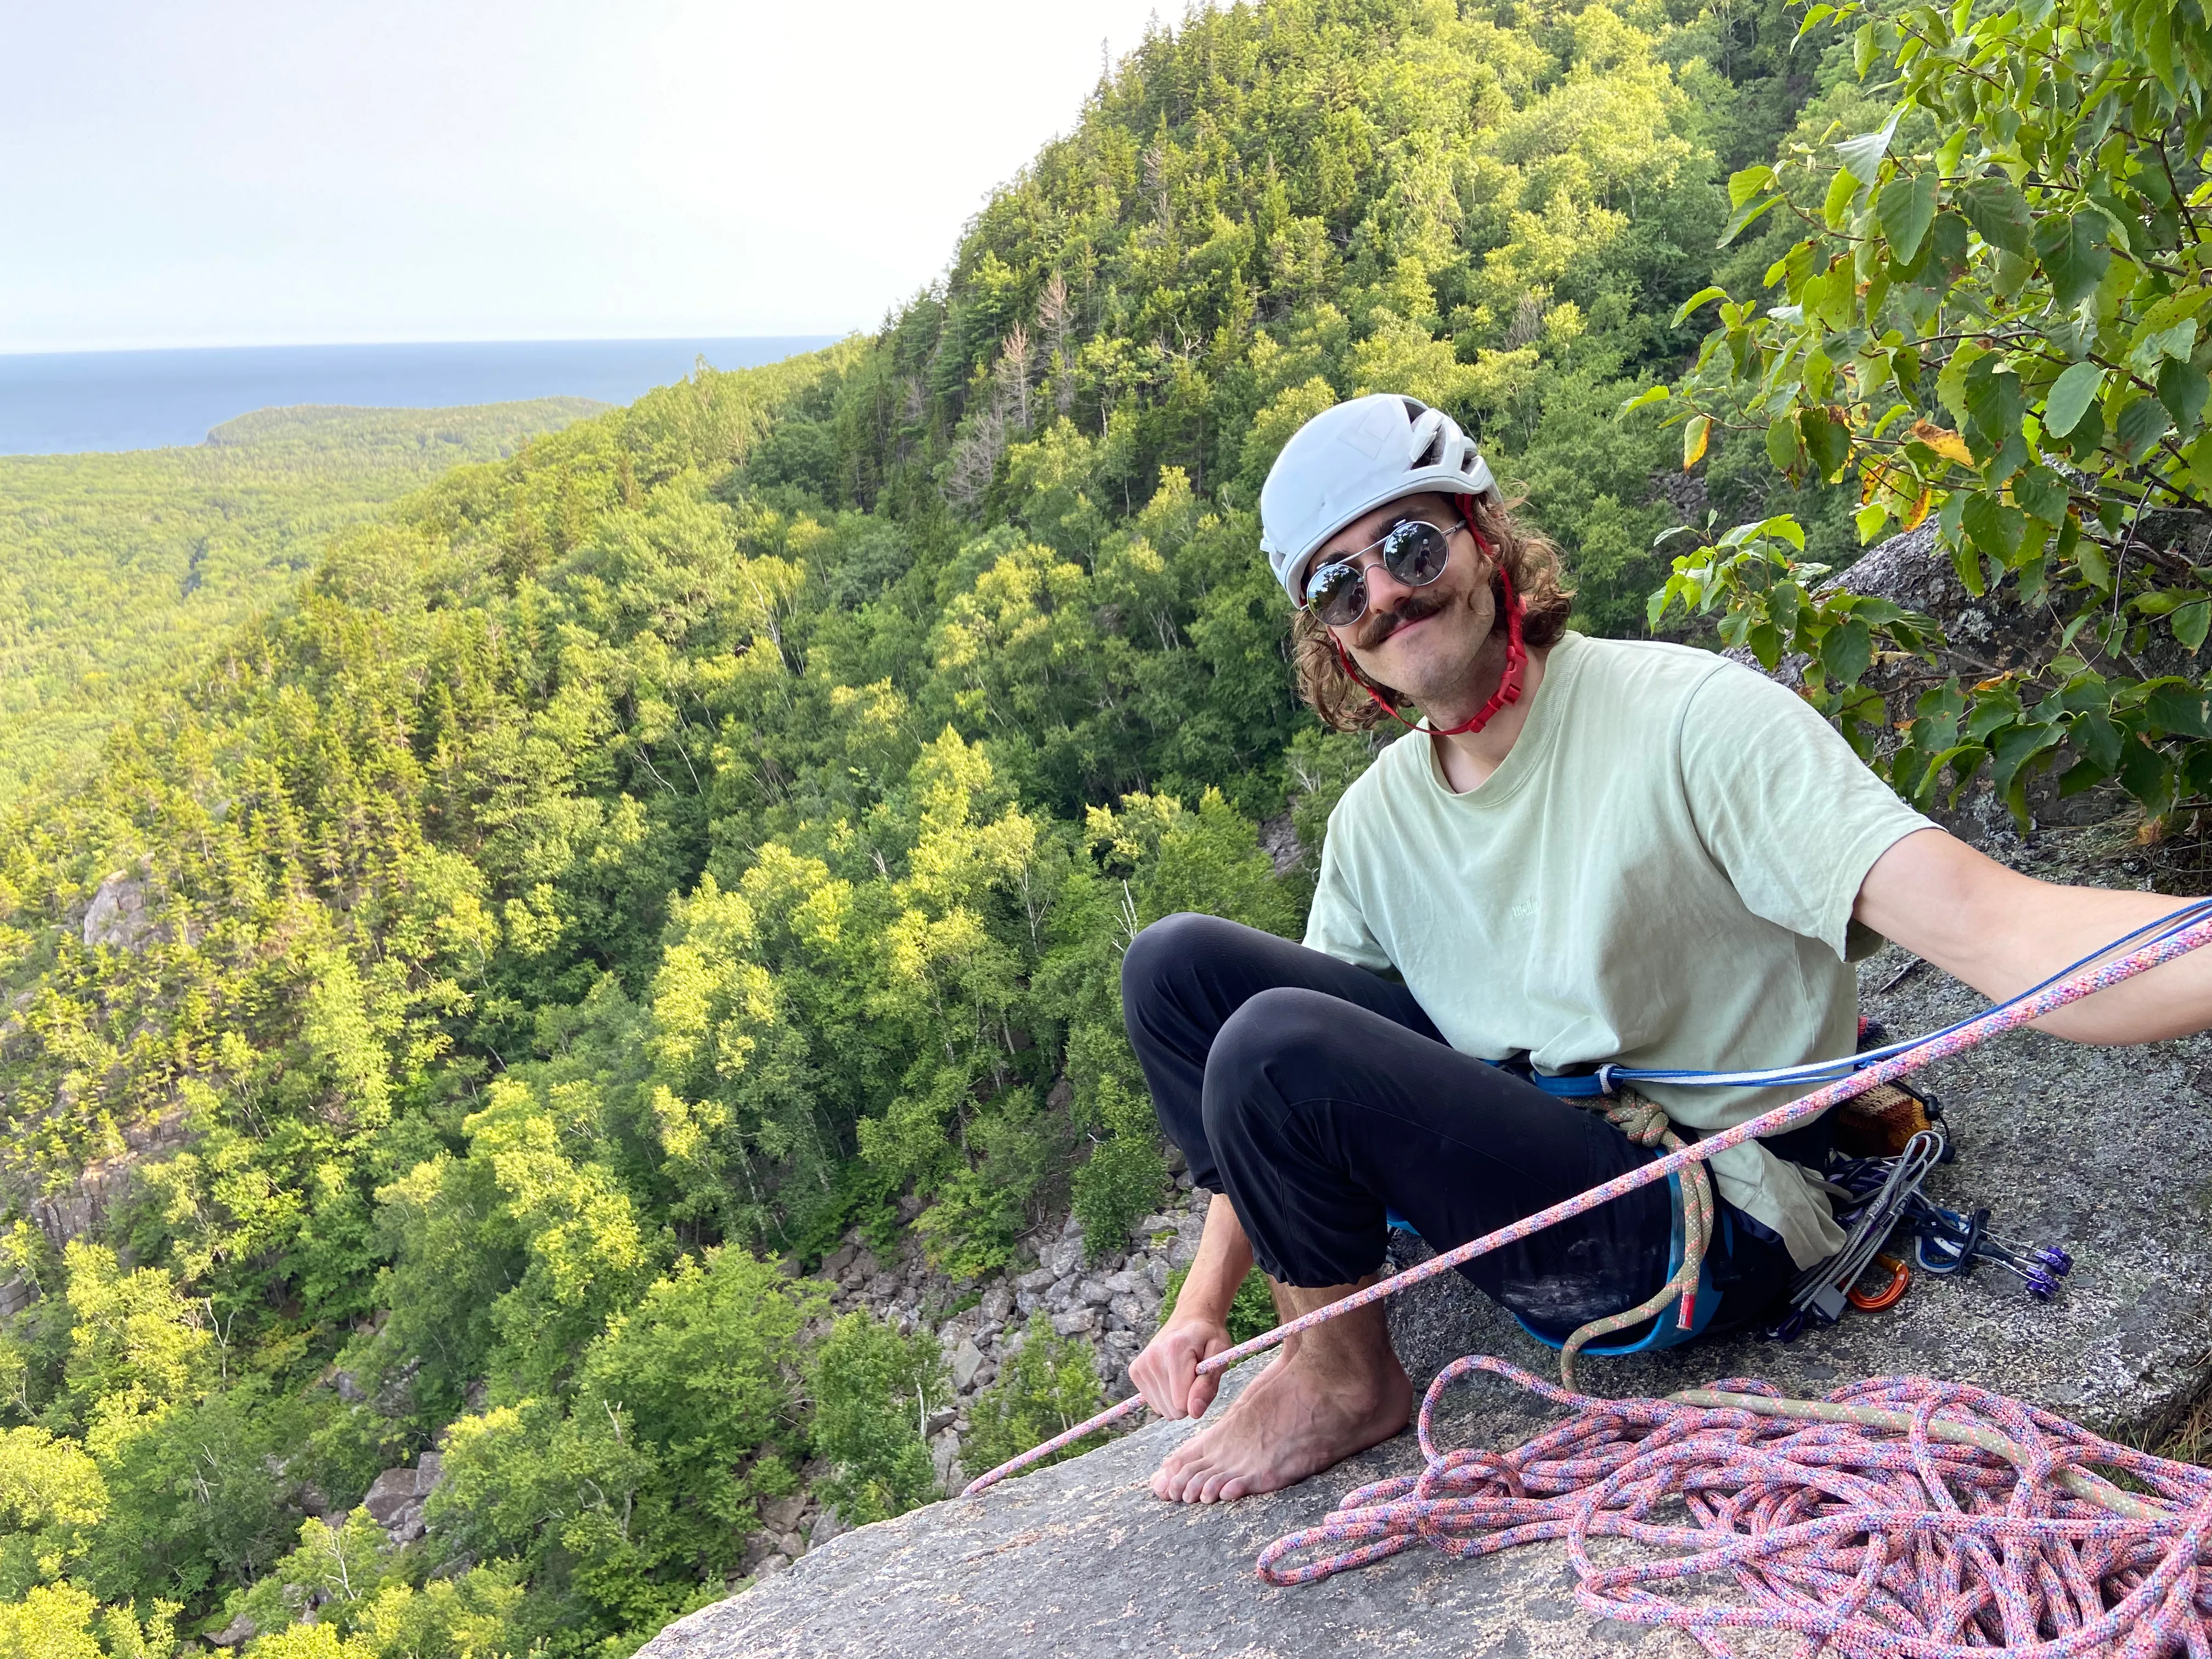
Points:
(114, 566)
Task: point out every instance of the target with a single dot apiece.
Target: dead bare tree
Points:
(1013, 375)
(1054, 316)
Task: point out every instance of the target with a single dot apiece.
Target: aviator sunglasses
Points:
(1413, 552)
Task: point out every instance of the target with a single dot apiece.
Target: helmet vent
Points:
(1468, 461)
(1435, 452)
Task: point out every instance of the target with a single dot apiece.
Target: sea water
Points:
(61, 403)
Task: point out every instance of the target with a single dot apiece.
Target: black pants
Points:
(1316, 1095)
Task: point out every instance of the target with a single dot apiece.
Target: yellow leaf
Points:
(1919, 512)
(1944, 442)
(1695, 436)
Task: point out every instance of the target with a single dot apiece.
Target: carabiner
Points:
(1900, 1281)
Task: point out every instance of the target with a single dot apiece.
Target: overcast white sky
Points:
(267, 171)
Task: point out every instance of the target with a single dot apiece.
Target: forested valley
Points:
(119, 568)
(464, 1006)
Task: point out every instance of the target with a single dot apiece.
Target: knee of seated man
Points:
(1165, 950)
(1285, 1035)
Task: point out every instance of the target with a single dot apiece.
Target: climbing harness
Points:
(1608, 1078)
(2157, 942)
(1689, 1282)
(1900, 1518)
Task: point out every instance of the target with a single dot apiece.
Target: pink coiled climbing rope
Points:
(1898, 1517)
(1912, 1519)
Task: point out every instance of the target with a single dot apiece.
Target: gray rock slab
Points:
(1082, 1559)
(2107, 1152)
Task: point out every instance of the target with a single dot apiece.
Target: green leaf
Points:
(1828, 441)
(1644, 399)
(1869, 520)
(2043, 493)
(1951, 384)
(2072, 392)
(2074, 255)
(2096, 736)
(1747, 182)
(1906, 207)
(1993, 404)
(2145, 773)
(1744, 217)
(1784, 447)
(1968, 564)
(2155, 346)
(1682, 314)
(1995, 528)
(2096, 569)
(1847, 651)
(2177, 709)
(1995, 207)
(1862, 156)
(1843, 189)
(1947, 241)
(2182, 388)
(2190, 622)
(2142, 425)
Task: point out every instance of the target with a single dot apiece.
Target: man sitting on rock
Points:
(1586, 851)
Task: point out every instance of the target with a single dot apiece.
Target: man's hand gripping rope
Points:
(2022, 1010)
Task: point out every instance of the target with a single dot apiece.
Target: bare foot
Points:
(1296, 1418)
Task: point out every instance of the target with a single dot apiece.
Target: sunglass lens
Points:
(1337, 595)
(1414, 554)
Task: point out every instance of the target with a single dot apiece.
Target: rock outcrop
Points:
(1113, 1303)
(395, 1500)
(117, 918)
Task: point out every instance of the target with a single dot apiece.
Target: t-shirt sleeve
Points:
(1784, 806)
(1335, 926)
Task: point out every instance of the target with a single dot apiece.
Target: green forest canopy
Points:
(716, 827)
(116, 567)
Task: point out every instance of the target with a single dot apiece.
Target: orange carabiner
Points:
(1901, 1279)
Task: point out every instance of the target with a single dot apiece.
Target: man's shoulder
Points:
(1642, 667)
(1394, 769)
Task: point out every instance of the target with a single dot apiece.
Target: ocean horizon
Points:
(71, 402)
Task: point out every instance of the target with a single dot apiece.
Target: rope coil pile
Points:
(1900, 1518)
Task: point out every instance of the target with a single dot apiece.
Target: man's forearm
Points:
(1224, 1257)
(2001, 931)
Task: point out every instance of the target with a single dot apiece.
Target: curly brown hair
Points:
(1528, 556)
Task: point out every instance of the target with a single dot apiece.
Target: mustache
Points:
(1379, 625)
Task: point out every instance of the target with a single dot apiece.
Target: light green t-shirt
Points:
(1661, 873)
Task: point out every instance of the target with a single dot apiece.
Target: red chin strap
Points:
(1516, 654)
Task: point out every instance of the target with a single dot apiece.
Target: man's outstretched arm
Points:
(2001, 931)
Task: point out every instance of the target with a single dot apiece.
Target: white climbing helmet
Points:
(1351, 459)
